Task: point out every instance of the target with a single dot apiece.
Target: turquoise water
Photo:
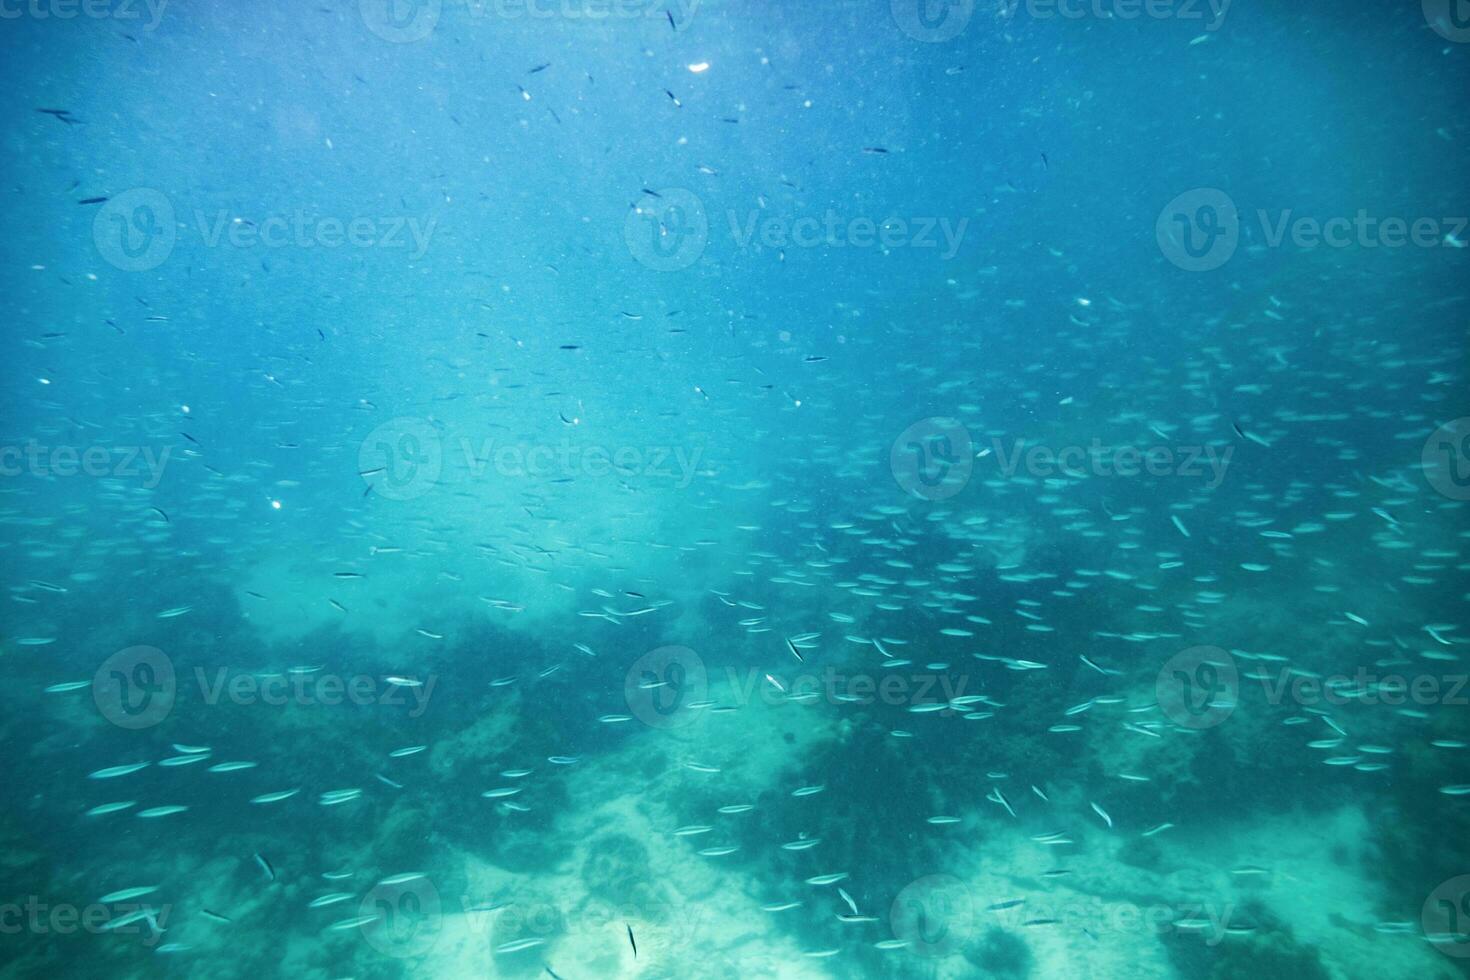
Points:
(735, 490)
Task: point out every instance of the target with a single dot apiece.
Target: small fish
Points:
(61, 115)
(231, 766)
(113, 772)
(105, 808)
(276, 797)
(127, 894)
(128, 919)
(631, 941)
(160, 811)
(996, 796)
(804, 844)
(352, 923)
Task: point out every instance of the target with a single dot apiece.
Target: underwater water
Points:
(613, 488)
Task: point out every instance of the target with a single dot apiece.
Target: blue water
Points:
(726, 490)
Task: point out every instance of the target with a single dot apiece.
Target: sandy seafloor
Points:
(1265, 836)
